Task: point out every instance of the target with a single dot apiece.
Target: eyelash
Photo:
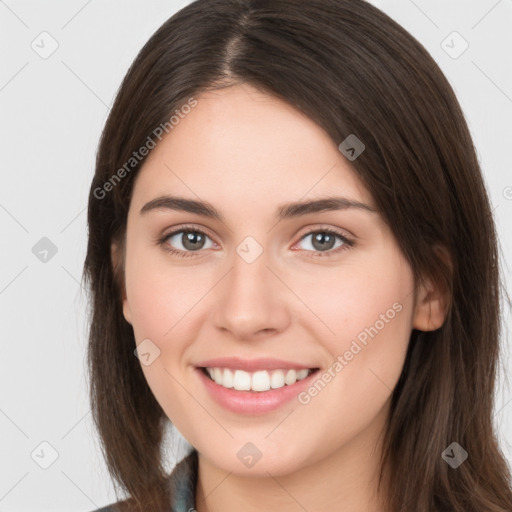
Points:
(186, 254)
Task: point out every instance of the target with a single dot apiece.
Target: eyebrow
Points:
(285, 211)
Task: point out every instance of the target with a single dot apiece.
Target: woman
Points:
(292, 259)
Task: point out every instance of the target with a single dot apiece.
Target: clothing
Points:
(182, 483)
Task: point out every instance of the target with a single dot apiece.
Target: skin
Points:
(246, 153)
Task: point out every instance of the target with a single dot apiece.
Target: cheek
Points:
(374, 289)
(160, 296)
(368, 309)
(161, 299)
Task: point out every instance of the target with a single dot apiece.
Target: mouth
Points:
(260, 381)
(254, 387)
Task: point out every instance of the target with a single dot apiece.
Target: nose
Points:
(251, 301)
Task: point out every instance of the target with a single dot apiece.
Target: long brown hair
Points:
(353, 70)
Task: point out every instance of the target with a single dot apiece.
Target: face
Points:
(325, 289)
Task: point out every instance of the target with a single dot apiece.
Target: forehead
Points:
(240, 145)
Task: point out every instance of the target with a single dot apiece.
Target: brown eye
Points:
(323, 242)
(184, 242)
(191, 240)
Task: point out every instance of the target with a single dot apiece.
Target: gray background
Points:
(52, 112)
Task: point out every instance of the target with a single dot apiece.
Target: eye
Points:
(191, 240)
(323, 242)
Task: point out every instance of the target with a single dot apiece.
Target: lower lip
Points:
(254, 402)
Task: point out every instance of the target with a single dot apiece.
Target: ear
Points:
(431, 304)
(118, 267)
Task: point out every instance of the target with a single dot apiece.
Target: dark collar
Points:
(183, 482)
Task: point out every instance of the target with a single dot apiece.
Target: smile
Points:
(259, 381)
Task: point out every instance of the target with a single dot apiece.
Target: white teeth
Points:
(290, 377)
(262, 380)
(217, 375)
(241, 380)
(277, 380)
(302, 374)
(228, 378)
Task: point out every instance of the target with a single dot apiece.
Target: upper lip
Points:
(251, 365)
